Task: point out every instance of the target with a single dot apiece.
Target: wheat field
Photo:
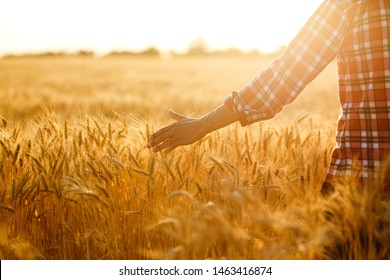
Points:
(77, 181)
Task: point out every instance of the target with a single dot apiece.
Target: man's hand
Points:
(184, 131)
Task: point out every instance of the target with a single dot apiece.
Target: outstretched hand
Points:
(184, 131)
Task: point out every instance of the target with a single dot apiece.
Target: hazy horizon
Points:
(172, 25)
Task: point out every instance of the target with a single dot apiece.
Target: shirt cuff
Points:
(244, 118)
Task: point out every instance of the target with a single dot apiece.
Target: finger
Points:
(162, 146)
(176, 116)
(156, 141)
(160, 132)
(170, 148)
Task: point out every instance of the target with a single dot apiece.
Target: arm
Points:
(186, 131)
(312, 49)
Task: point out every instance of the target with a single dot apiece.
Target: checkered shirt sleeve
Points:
(315, 46)
(357, 32)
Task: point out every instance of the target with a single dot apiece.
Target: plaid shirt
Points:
(357, 32)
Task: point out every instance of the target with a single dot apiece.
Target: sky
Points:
(32, 26)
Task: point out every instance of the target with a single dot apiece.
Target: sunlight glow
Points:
(105, 25)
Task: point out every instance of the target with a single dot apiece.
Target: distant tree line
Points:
(80, 53)
(197, 48)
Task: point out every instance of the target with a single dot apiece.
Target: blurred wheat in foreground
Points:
(78, 183)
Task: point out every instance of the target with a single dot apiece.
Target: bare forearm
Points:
(219, 118)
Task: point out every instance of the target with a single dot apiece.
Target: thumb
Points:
(175, 116)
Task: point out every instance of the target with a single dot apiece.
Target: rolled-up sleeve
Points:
(314, 47)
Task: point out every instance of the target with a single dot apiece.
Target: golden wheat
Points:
(78, 183)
